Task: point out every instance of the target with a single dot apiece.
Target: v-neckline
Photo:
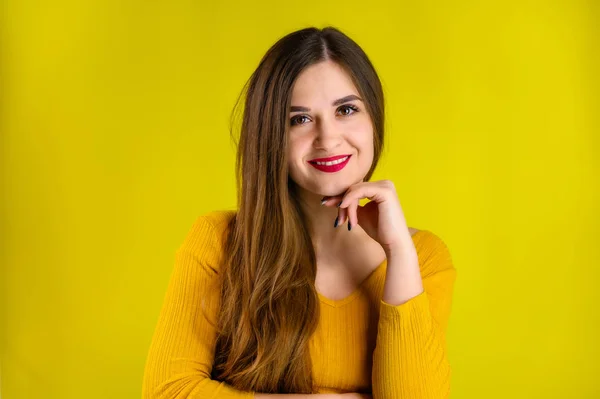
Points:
(336, 303)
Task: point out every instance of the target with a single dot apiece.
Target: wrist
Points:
(400, 251)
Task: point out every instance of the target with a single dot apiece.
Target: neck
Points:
(328, 241)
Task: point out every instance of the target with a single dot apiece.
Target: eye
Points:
(296, 120)
(347, 110)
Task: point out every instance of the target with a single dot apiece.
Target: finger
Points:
(342, 215)
(344, 212)
(325, 201)
(352, 214)
(331, 201)
(371, 191)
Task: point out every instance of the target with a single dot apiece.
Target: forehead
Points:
(322, 81)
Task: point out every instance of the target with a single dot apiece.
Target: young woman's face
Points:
(328, 119)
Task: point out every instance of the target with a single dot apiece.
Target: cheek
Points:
(296, 152)
(297, 148)
(362, 137)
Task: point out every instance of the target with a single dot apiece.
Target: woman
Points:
(277, 299)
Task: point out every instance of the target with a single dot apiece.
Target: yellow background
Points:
(115, 138)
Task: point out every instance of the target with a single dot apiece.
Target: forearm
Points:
(403, 278)
(410, 360)
(410, 357)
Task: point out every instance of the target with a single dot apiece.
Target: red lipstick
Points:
(334, 164)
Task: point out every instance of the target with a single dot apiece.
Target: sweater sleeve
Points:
(181, 354)
(410, 358)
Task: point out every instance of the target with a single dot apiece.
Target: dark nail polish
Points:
(349, 225)
(338, 205)
(336, 222)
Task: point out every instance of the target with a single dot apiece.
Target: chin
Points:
(332, 189)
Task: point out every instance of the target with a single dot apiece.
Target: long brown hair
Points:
(269, 307)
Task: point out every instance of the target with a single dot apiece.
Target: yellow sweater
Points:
(362, 344)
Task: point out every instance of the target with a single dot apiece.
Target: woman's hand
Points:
(382, 218)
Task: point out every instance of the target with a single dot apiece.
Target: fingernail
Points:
(349, 225)
(336, 222)
(338, 205)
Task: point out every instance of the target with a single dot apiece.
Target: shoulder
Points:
(432, 250)
(208, 232)
(217, 219)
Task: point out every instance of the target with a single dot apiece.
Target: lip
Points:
(329, 159)
(330, 168)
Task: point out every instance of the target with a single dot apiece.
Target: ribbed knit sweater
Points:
(362, 344)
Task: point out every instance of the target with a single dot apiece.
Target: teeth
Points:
(333, 162)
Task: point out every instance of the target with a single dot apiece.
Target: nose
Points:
(328, 135)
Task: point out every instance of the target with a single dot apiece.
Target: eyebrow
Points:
(295, 108)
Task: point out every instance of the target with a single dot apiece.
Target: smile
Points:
(331, 166)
